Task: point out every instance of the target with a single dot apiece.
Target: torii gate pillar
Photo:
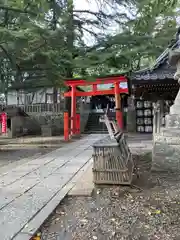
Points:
(119, 117)
(73, 109)
(113, 87)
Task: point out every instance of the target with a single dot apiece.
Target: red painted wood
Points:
(73, 110)
(94, 88)
(115, 81)
(95, 93)
(106, 80)
(66, 126)
(119, 117)
(4, 122)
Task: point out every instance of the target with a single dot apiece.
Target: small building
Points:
(149, 86)
(23, 94)
(36, 98)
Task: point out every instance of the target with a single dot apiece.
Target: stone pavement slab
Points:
(140, 143)
(30, 192)
(84, 186)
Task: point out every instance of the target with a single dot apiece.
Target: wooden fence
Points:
(39, 108)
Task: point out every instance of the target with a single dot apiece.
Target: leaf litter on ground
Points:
(147, 210)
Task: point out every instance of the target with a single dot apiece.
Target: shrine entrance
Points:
(100, 102)
(114, 86)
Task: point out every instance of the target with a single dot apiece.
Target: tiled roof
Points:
(154, 74)
(160, 70)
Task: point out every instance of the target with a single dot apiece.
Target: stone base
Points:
(46, 131)
(166, 153)
(172, 133)
(173, 121)
(131, 121)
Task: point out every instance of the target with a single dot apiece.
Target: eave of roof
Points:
(42, 84)
(157, 72)
(29, 87)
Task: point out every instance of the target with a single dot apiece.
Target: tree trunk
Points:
(55, 93)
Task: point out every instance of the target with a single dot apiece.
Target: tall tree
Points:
(47, 40)
(143, 37)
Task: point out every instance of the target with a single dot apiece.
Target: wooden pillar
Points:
(3, 123)
(66, 126)
(73, 110)
(94, 88)
(119, 117)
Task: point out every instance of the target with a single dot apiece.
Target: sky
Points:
(92, 5)
(85, 5)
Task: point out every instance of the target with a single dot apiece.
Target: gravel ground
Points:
(149, 210)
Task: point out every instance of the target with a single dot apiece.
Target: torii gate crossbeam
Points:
(115, 86)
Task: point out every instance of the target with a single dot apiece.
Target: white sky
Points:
(85, 5)
(94, 6)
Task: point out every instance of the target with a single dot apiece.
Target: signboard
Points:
(123, 85)
(109, 86)
(3, 123)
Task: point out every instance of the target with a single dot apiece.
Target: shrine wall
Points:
(140, 115)
(144, 116)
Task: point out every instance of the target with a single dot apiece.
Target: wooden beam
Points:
(95, 93)
(97, 81)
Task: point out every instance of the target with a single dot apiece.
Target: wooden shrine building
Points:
(151, 85)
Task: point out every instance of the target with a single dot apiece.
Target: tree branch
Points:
(9, 57)
(17, 10)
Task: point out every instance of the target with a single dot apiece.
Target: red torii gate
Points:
(115, 87)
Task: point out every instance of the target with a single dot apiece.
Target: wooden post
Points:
(73, 110)
(119, 118)
(66, 126)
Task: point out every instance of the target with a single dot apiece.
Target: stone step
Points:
(160, 138)
(170, 132)
(94, 131)
(172, 120)
(94, 126)
(165, 156)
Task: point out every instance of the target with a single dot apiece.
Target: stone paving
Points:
(30, 192)
(140, 143)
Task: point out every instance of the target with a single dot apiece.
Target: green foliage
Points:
(144, 38)
(44, 40)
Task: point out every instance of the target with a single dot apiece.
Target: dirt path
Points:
(149, 212)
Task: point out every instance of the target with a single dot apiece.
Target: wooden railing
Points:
(39, 108)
